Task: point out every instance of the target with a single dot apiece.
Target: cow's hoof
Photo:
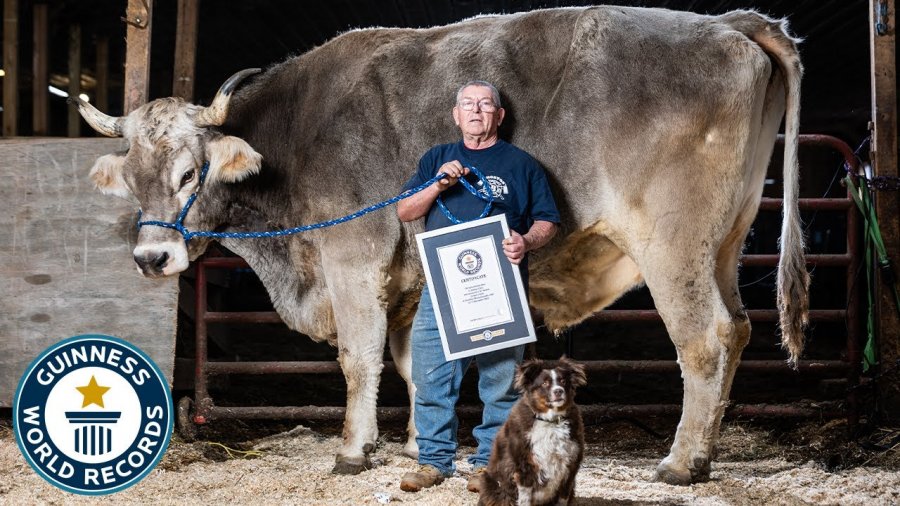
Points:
(355, 465)
(701, 470)
(673, 476)
(411, 450)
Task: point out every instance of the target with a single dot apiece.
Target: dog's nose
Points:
(558, 393)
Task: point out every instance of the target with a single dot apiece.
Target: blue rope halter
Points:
(486, 195)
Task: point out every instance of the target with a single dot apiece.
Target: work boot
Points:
(474, 483)
(426, 476)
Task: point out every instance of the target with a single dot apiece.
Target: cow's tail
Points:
(793, 280)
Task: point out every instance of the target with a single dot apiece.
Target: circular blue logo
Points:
(93, 414)
(468, 262)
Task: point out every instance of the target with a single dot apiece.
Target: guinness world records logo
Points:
(468, 262)
(92, 414)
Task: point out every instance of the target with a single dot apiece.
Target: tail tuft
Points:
(793, 280)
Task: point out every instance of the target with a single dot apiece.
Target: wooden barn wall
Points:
(65, 259)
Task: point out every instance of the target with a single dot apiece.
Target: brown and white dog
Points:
(539, 449)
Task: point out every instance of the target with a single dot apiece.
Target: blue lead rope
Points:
(485, 195)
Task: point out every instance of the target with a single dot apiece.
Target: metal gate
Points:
(201, 409)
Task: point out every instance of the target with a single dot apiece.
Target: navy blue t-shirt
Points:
(517, 181)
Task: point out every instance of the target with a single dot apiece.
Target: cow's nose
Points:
(152, 262)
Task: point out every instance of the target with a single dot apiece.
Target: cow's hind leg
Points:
(400, 351)
(682, 282)
(727, 281)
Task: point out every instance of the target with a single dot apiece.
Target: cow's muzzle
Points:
(152, 263)
(161, 259)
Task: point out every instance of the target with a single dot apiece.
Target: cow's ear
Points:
(107, 175)
(231, 159)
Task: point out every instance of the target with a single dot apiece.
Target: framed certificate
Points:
(477, 293)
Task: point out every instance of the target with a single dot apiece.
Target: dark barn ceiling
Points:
(236, 34)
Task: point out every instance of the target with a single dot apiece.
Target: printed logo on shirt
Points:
(498, 187)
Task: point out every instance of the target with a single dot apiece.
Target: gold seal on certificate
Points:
(478, 296)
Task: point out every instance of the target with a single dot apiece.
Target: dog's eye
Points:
(562, 382)
(546, 384)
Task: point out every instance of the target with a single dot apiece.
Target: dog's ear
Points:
(574, 371)
(526, 374)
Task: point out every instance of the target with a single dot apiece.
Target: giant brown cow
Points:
(655, 128)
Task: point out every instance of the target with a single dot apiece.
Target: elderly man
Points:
(521, 192)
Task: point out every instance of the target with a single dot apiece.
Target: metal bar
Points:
(771, 315)
(828, 141)
(853, 324)
(772, 204)
(589, 412)
(224, 262)
(853, 355)
(746, 366)
(298, 412)
(596, 366)
(595, 411)
(202, 401)
(205, 409)
(298, 367)
(824, 260)
(242, 317)
(767, 315)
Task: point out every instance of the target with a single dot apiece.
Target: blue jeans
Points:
(437, 391)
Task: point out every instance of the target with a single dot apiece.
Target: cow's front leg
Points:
(400, 351)
(356, 284)
(360, 354)
(360, 350)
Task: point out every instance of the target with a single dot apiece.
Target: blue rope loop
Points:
(179, 222)
(485, 195)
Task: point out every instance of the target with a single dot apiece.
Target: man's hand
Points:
(514, 247)
(418, 205)
(454, 171)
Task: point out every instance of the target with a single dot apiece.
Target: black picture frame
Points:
(477, 293)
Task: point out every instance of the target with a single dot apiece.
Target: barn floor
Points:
(279, 463)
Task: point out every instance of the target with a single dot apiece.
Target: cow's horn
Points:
(215, 114)
(110, 126)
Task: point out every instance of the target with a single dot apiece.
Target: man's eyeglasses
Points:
(486, 105)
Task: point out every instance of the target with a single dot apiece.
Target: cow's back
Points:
(625, 108)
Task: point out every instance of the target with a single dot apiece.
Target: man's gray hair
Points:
(495, 95)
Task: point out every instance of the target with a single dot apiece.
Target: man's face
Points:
(477, 122)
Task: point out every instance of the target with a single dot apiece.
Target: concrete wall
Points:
(65, 259)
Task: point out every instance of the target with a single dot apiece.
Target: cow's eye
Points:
(187, 178)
